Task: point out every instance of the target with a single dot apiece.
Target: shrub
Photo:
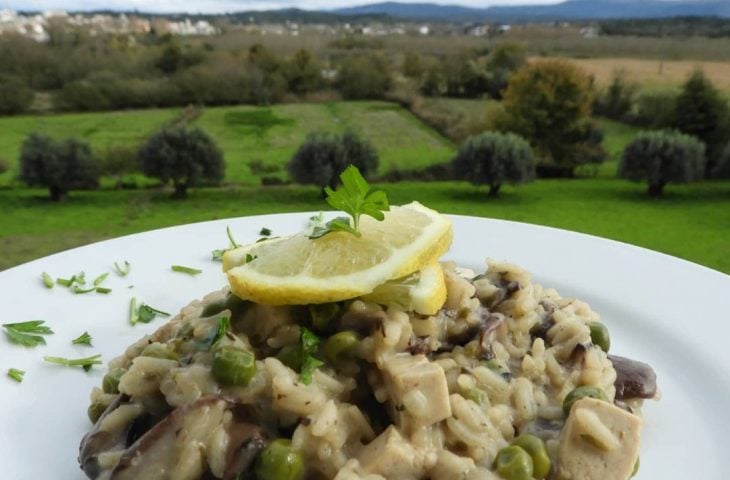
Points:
(502, 62)
(616, 101)
(722, 169)
(15, 96)
(653, 109)
(302, 73)
(322, 157)
(549, 103)
(59, 166)
(662, 157)
(363, 77)
(494, 158)
(702, 112)
(187, 157)
(118, 161)
(412, 65)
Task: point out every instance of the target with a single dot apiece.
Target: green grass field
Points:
(692, 222)
(265, 137)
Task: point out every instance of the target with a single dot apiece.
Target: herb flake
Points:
(188, 270)
(309, 343)
(47, 280)
(144, 313)
(85, 363)
(122, 271)
(83, 339)
(28, 333)
(16, 374)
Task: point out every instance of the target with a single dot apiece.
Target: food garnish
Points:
(188, 270)
(83, 339)
(85, 363)
(144, 313)
(16, 374)
(47, 280)
(28, 333)
(122, 271)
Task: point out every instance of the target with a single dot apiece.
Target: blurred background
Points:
(599, 116)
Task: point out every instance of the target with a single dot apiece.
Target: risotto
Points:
(508, 380)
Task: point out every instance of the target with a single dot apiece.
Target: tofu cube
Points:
(418, 389)
(391, 456)
(599, 441)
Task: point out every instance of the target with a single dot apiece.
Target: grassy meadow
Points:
(692, 222)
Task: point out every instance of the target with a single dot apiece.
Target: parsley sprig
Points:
(122, 271)
(144, 313)
(85, 363)
(356, 198)
(28, 333)
(310, 343)
(83, 339)
(218, 253)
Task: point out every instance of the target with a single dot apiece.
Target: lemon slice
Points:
(298, 271)
(423, 292)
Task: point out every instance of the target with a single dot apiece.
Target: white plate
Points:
(673, 314)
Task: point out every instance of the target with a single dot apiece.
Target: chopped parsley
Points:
(309, 343)
(356, 198)
(100, 279)
(78, 279)
(250, 258)
(85, 363)
(188, 270)
(16, 374)
(103, 290)
(215, 334)
(122, 271)
(47, 280)
(83, 339)
(218, 253)
(265, 232)
(144, 313)
(28, 333)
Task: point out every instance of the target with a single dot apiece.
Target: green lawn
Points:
(256, 141)
(691, 222)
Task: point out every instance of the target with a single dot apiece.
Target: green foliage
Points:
(616, 101)
(702, 112)
(549, 103)
(494, 158)
(117, 161)
(59, 166)
(413, 65)
(722, 169)
(653, 109)
(662, 157)
(322, 157)
(363, 77)
(3, 165)
(302, 73)
(15, 96)
(187, 157)
(505, 59)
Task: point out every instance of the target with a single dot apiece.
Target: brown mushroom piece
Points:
(634, 379)
(157, 453)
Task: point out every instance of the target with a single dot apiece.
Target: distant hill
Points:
(568, 10)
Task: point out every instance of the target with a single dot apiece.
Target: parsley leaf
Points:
(218, 253)
(356, 198)
(122, 272)
(83, 339)
(309, 343)
(47, 280)
(144, 313)
(103, 290)
(27, 334)
(100, 279)
(16, 374)
(188, 270)
(85, 363)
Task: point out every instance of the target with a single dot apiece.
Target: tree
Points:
(662, 157)
(494, 158)
(412, 65)
(15, 96)
(187, 157)
(617, 100)
(302, 73)
(722, 169)
(702, 112)
(322, 157)
(502, 62)
(363, 77)
(549, 104)
(59, 166)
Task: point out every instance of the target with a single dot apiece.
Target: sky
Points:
(218, 6)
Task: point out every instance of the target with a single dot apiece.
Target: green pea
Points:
(233, 366)
(582, 392)
(514, 463)
(278, 461)
(110, 383)
(636, 467)
(477, 396)
(322, 314)
(535, 447)
(159, 350)
(95, 410)
(291, 356)
(600, 335)
(341, 345)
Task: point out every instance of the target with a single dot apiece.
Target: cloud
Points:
(217, 6)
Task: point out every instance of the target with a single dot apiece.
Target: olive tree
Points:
(549, 104)
(185, 156)
(494, 158)
(59, 166)
(662, 157)
(322, 157)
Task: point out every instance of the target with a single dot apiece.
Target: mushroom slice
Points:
(633, 379)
